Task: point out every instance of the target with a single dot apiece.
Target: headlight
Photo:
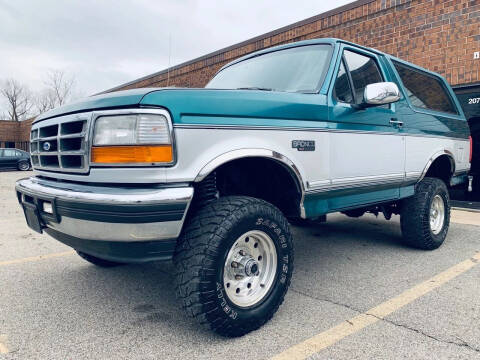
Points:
(138, 138)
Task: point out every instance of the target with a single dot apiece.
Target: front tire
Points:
(233, 264)
(425, 217)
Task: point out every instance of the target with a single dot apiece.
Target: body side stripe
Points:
(315, 129)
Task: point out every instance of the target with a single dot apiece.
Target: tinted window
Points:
(8, 152)
(18, 153)
(364, 71)
(343, 91)
(298, 69)
(424, 90)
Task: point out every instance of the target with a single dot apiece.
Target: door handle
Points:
(396, 122)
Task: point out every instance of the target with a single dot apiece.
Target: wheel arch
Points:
(440, 165)
(274, 157)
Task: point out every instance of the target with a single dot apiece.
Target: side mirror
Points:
(381, 93)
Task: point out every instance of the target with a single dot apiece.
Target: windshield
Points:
(298, 69)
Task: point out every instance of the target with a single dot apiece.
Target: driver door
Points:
(367, 150)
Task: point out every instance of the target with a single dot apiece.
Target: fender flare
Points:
(259, 153)
(435, 157)
(245, 153)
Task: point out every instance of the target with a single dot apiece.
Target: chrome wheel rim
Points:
(24, 166)
(437, 214)
(250, 268)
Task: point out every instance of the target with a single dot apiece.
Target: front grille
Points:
(61, 146)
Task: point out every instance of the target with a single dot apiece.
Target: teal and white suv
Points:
(211, 177)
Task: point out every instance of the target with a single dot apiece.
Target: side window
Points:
(18, 153)
(8, 152)
(424, 90)
(342, 89)
(363, 70)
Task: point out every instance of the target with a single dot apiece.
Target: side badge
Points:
(303, 145)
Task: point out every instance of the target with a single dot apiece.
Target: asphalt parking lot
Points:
(357, 293)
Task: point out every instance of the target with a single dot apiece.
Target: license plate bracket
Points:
(33, 217)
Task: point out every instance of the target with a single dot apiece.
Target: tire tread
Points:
(415, 221)
(195, 256)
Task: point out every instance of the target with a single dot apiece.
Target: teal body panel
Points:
(241, 107)
(262, 108)
(323, 203)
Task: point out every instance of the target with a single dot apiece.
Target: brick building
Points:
(436, 34)
(440, 35)
(15, 134)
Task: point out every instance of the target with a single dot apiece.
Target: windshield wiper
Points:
(255, 88)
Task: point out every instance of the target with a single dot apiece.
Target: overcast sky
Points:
(110, 42)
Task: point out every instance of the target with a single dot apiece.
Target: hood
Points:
(238, 107)
(119, 99)
(210, 106)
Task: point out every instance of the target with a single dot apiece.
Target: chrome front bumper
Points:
(106, 213)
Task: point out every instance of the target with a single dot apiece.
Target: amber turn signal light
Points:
(132, 154)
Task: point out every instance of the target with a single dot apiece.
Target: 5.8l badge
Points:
(303, 145)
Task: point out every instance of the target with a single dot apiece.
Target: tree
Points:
(45, 100)
(19, 100)
(58, 90)
(60, 85)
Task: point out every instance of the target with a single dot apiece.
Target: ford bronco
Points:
(211, 177)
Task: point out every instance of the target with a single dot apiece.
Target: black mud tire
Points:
(97, 261)
(201, 253)
(23, 165)
(415, 215)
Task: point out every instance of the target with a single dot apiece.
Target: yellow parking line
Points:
(3, 347)
(465, 217)
(36, 258)
(329, 337)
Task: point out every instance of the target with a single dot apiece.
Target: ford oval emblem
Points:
(46, 146)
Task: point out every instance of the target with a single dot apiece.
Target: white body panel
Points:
(340, 157)
(355, 154)
(197, 147)
(420, 149)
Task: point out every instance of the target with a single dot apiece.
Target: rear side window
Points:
(425, 90)
(9, 153)
(363, 70)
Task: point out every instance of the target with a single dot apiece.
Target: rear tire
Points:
(23, 165)
(425, 217)
(214, 257)
(97, 261)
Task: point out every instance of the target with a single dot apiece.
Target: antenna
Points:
(169, 56)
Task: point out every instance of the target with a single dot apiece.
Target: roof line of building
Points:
(307, 21)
